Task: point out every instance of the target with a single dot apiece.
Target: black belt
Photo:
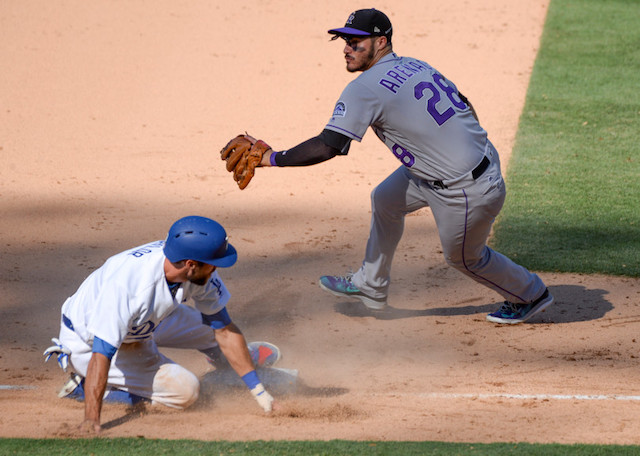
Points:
(476, 173)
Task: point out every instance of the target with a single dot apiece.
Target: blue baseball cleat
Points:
(512, 314)
(341, 286)
(74, 389)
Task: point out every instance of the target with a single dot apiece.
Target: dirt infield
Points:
(111, 118)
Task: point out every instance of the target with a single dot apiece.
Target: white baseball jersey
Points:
(417, 113)
(125, 299)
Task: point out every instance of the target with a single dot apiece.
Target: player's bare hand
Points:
(89, 428)
(275, 406)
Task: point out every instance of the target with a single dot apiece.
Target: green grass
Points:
(574, 177)
(132, 447)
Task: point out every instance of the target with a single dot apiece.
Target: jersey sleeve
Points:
(105, 348)
(217, 320)
(210, 298)
(357, 108)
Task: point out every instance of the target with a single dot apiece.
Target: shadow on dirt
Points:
(277, 380)
(572, 303)
(131, 414)
(356, 309)
(575, 303)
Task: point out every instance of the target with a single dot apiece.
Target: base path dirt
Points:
(111, 119)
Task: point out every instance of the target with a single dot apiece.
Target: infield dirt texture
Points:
(112, 115)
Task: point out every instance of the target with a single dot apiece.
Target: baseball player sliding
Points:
(112, 326)
(447, 163)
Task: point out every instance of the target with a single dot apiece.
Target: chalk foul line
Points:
(17, 387)
(575, 397)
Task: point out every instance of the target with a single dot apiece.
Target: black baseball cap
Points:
(365, 22)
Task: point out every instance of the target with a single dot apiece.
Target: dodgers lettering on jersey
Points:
(126, 298)
(406, 102)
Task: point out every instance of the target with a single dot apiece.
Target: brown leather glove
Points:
(243, 154)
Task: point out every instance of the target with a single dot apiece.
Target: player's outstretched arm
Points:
(95, 384)
(234, 347)
(244, 153)
(315, 150)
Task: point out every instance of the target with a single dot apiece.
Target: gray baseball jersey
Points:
(420, 117)
(417, 113)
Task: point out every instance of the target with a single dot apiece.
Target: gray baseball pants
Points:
(464, 213)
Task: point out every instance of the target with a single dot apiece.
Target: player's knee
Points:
(189, 392)
(468, 262)
(455, 261)
(175, 386)
(384, 204)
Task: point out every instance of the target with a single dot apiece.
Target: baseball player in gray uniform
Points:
(447, 163)
(161, 294)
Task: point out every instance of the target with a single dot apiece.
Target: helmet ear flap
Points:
(199, 239)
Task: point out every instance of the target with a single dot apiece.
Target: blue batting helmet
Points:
(200, 239)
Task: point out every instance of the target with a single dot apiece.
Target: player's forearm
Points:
(310, 152)
(234, 347)
(94, 386)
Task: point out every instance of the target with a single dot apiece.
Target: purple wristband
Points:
(272, 158)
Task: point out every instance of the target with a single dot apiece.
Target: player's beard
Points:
(199, 278)
(201, 281)
(365, 63)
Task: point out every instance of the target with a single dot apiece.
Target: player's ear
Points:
(178, 264)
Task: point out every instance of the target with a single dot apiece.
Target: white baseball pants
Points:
(141, 369)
